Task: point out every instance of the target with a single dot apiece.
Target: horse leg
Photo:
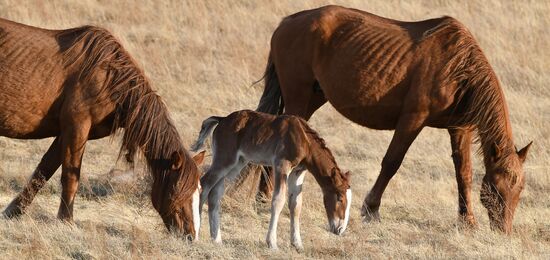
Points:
(73, 141)
(408, 127)
(295, 182)
(282, 170)
(461, 143)
(216, 173)
(43, 172)
(214, 206)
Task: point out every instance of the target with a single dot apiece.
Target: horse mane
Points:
(479, 89)
(139, 110)
(314, 135)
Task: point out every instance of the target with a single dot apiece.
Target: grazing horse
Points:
(289, 145)
(386, 74)
(78, 85)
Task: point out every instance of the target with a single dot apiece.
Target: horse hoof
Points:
(272, 246)
(262, 198)
(371, 216)
(12, 211)
(467, 222)
(299, 247)
(65, 219)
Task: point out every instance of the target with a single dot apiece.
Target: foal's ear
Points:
(496, 152)
(199, 158)
(177, 160)
(522, 154)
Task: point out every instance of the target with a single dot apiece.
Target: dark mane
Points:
(139, 110)
(478, 84)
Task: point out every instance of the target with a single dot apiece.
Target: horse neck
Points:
(147, 126)
(493, 123)
(321, 163)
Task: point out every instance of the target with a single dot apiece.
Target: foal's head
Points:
(502, 185)
(175, 195)
(337, 199)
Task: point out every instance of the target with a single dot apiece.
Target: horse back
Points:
(262, 138)
(367, 65)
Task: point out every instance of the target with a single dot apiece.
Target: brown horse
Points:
(387, 74)
(289, 145)
(80, 84)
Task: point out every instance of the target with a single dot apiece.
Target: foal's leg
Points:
(214, 202)
(43, 172)
(461, 141)
(214, 206)
(217, 172)
(302, 96)
(73, 141)
(295, 182)
(408, 127)
(282, 170)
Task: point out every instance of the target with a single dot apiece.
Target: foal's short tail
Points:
(207, 127)
(271, 101)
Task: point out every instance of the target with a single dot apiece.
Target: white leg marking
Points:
(214, 205)
(277, 204)
(295, 182)
(196, 211)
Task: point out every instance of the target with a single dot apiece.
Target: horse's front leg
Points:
(44, 171)
(73, 140)
(461, 141)
(408, 127)
(295, 183)
(282, 170)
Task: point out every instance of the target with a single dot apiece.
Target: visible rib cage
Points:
(378, 50)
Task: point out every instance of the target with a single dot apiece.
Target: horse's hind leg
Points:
(214, 200)
(73, 141)
(43, 172)
(214, 207)
(461, 141)
(408, 127)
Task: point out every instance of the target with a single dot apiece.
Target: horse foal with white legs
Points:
(287, 144)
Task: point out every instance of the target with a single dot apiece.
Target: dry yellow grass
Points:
(202, 57)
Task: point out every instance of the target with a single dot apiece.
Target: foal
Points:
(289, 145)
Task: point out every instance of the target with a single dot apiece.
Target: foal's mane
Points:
(479, 89)
(139, 110)
(324, 150)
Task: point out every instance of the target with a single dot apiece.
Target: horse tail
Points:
(207, 127)
(271, 101)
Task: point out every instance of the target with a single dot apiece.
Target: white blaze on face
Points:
(348, 206)
(196, 213)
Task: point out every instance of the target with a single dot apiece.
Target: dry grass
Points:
(202, 57)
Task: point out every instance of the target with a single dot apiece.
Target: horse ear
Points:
(177, 160)
(348, 178)
(199, 158)
(522, 154)
(348, 175)
(496, 152)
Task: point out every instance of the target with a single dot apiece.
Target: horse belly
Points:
(379, 118)
(26, 126)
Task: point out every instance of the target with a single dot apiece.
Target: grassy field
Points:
(202, 57)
